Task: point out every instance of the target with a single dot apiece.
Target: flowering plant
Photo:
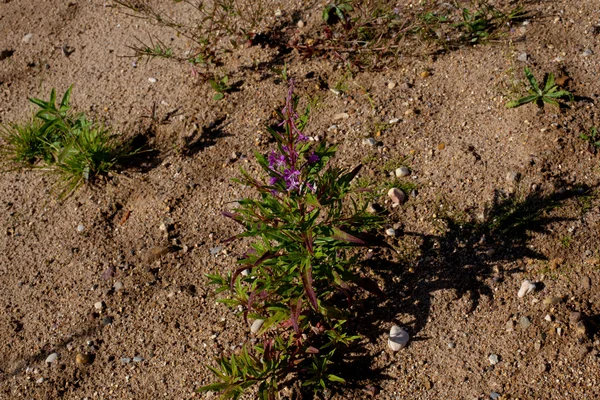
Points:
(297, 280)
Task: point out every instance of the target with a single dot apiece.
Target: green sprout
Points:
(549, 94)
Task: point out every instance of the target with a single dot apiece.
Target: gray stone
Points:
(398, 338)
(118, 286)
(27, 38)
(587, 52)
(493, 359)
(397, 196)
(51, 358)
(524, 322)
(369, 142)
(523, 57)
(80, 228)
(495, 395)
(451, 345)
(138, 359)
(125, 360)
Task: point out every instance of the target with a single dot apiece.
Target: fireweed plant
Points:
(297, 281)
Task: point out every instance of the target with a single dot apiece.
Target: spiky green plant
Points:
(548, 93)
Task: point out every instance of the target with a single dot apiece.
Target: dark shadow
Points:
(460, 260)
(205, 137)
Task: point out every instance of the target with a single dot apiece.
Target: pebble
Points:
(118, 286)
(394, 121)
(390, 232)
(27, 38)
(339, 116)
(495, 395)
(526, 288)
(524, 322)
(513, 176)
(300, 24)
(278, 13)
(215, 250)
(493, 359)
(398, 338)
(424, 74)
(99, 305)
(548, 318)
(510, 326)
(152, 80)
(138, 359)
(125, 360)
(537, 345)
(51, 358)
(83, 359)
(587, 52)
(552, 300)
(451, 345)
(402, 172)
(256, 325)
(107, 321)
(391, 85)
(586, 283)
(397, 196)
(581, 329)
(575, 317)
(522, 57)
(80, 228)
(40, 380)
(369, 142)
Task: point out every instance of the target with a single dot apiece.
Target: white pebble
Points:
(51, 358)
(369, 142)
(548, 318)
(40, 380)
(398, 338)
(256, 325)
(394, 120)
(27, 38)
(80, 228)
(402, 172)
(493, 359)
(152, 80)
(300, 24)
(99, 305)
(587, 53)
(390, 232)
(526, 288)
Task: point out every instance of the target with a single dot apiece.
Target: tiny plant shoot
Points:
(297, 281)
(548, 93)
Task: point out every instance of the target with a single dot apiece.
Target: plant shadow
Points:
(462, 259)
(204, 137)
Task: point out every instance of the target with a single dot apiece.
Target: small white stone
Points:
(493, 359)
(278, 13)
(548, 318)
(99, 305)
(256, 325)
(80, 228)
(51, 358)
(391, 85)
(152, 80)
(118, 286)
(300, 24)
(394, 120)
(369, 142)
(398, 338)
(246, 272)
(390, 232)
(27, 38)
(522, 57)
(402, 172)
(340, 116)
(526, 288)
(587, 53)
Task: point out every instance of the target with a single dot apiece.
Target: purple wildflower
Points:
(290, 176)
(276, 161)
(273, 180)
(313, 158)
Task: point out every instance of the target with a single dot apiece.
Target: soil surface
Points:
(116, 271)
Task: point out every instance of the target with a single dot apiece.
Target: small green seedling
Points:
(549, 94)
(593, 139)
(221, 86)
(337, 11)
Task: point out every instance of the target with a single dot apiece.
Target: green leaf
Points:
(218, 96)
(549, 83)
(335, 378)
(550, 101)
(521, 101)
(531, 79)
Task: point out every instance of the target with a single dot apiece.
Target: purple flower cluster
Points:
(283, 164)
